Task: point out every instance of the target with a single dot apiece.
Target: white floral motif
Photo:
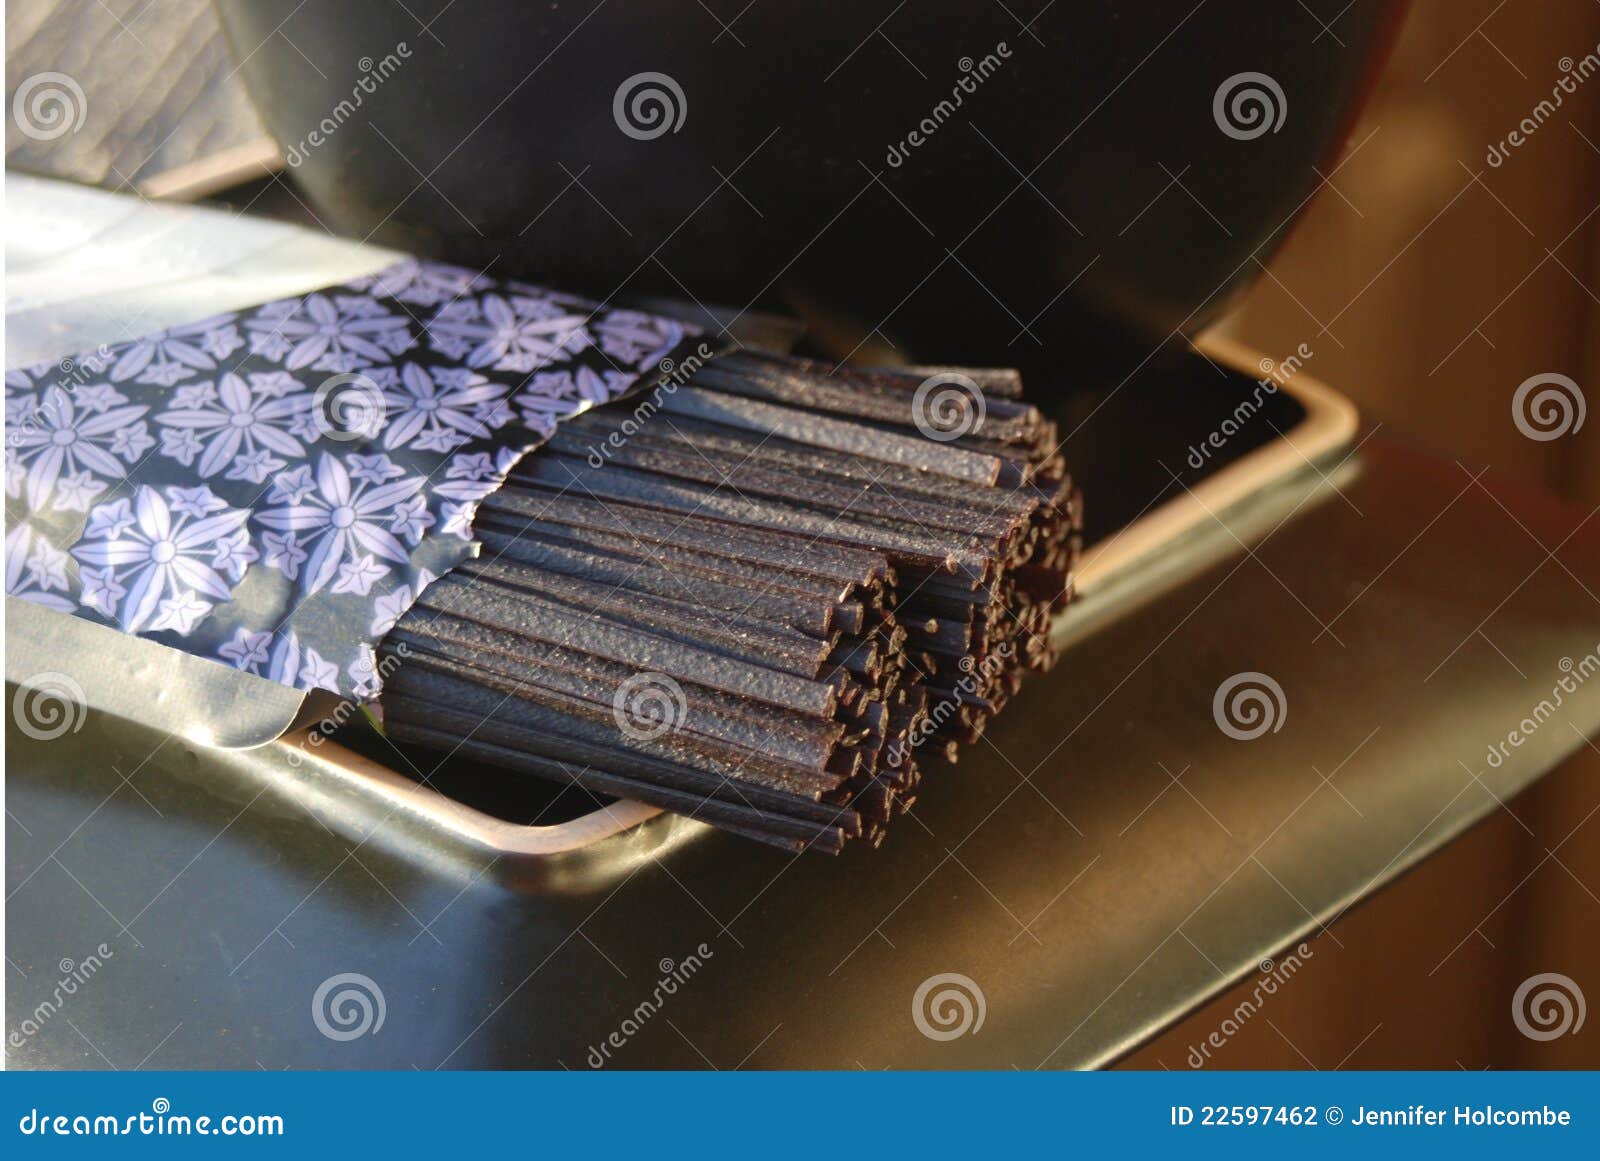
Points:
(36, 570)
(374, 469)
(636, 338)
(556, 395)
(99, 397)
(301, 668)
(469, 477)
(391, 608)
(149, 562)
(440, 408)
(168, 356)
(245, 426)
(63, 454)
(340, 333)
(421, 283)
(247, 650)
(332, 528)
(508, 333)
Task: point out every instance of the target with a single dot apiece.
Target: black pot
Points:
(935, 173)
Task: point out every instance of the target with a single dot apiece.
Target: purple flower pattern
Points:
(182, 485)
(163, 562)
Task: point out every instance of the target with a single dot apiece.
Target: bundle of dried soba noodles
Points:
(754, 599)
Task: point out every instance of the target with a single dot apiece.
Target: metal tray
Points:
(78, 260)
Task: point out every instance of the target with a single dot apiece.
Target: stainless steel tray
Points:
(81, 263)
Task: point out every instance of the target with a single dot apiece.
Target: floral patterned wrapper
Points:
(272, 488)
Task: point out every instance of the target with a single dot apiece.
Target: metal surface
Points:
(1058, 866)
(1329, 424)
(144, 681)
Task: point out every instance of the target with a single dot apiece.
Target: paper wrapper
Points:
(272, 488)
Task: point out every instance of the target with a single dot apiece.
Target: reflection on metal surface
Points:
(144, 681)
(1330, 424)
(1222, 534)
(80, 263)
(369, 802)
(1089, 899)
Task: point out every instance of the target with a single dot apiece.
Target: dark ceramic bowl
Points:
(956, 177)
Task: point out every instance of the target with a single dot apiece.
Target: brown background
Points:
(1430, 286)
